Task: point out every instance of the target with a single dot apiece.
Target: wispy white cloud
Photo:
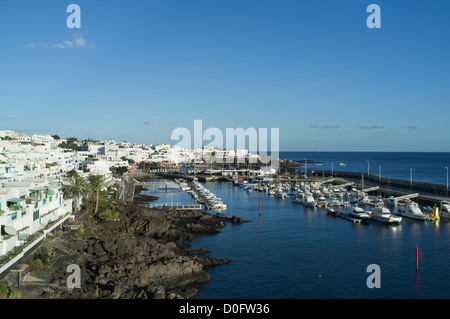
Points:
(412, 127)
(324, 126)
(371, 127)
(77, 42)
(30, 46)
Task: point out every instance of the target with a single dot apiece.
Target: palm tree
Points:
(77, 186)
(96, 183)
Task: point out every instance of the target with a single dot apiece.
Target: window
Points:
(36, 215)
(13, 215)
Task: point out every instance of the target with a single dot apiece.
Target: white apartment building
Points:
(26, 207)
(8, 133)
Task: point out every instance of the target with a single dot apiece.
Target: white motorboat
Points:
(219, 205)
(309, 201)
(355, 193)
(383, 214)
(321, 202)
(358, 212)
(378, 201)
(411, 210)
(334, 202)
(444, 211)
(280, 193)
(317, 193)
(364, 200)
(391, 200)
(427, 209)
(184, 187)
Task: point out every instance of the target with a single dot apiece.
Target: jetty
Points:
(176, 206)
(191, 178)
(349, 218)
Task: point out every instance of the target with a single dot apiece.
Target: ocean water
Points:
(426, 167)
(295, 252)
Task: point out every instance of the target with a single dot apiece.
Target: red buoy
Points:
(419, 254)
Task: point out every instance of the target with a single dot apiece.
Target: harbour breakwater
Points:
(430, 193)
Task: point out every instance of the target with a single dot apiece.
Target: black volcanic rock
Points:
(141, 255)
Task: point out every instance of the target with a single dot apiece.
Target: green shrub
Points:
(88, 204)
(37, 267)
(86, 234)
(4, 291)
(119, 208)
(108, 214)
(45, 258)
(15, 294)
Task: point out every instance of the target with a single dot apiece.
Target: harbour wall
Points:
(393, 183)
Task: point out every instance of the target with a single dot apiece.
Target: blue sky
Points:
(136, 70)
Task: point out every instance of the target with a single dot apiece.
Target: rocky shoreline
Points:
(143, 254)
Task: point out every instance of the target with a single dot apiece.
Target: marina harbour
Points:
(292, 250)
(344, 200)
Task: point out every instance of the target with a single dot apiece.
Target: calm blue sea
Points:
(426, 167)
(294, 252)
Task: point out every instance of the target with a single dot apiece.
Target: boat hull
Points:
(414, 216)
(309, 204)
(359, 215)
(387, 220)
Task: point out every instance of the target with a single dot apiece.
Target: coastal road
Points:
(127, 191)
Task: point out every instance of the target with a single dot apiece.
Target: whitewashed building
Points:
(26, 207)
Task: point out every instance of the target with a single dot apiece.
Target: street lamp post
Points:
(306, 174)
(368, 169)
(447, 181)
(379, 173)
(410, 178)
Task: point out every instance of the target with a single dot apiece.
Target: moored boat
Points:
(444, 211)
(364, 200)
(391, 200)
(297, 199)
(280, 193)
(383, 214)
(358, 212)
(321, 202)
(411, 210)
(332, 212)
(309, 201)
